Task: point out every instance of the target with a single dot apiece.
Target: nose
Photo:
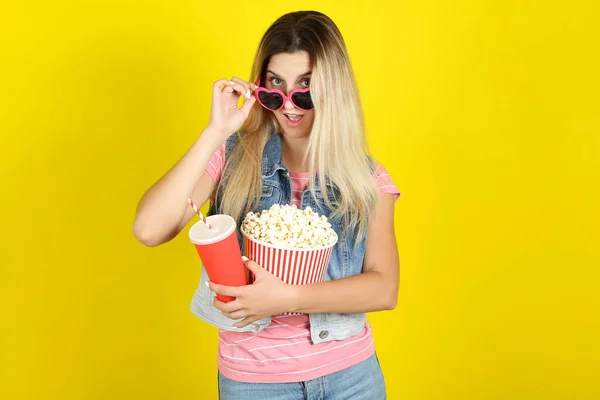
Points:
(288, 105)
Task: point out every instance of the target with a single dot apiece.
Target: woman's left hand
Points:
(267, 296)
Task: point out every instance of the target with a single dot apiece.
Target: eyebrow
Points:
(299, 77)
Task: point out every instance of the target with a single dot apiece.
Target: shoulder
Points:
(384, 181)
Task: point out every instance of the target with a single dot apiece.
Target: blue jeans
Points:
(363, 381)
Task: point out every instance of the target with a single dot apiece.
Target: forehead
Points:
(290, 65)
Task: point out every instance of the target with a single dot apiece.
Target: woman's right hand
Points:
(225, 115)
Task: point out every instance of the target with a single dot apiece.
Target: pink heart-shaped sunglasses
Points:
(274, 99)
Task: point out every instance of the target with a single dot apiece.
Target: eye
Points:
(276, 82)
(305, 82)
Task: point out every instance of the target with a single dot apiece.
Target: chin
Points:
(293, 132)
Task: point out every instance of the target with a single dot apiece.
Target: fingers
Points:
(235, 314)
(232, 309)
(241, 90)
(248, 105)
(228, 307)
(232, 291)
(253, 266)
(241, 87)
(218, 85)
(244, 89)
(227, 86)
(237, 85)
(258, 271)
(246, 321)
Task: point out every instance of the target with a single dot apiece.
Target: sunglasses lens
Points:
(303, 100)
(272, 101)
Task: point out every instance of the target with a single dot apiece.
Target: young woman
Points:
(303, 144)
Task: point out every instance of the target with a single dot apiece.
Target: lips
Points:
(293, 120)
(293, 117)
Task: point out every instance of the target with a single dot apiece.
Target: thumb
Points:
(248, 105)
(252, 266)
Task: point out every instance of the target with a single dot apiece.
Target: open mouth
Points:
(293, 117)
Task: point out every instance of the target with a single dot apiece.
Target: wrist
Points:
(212, 138)
(294, 298)
(217, 132)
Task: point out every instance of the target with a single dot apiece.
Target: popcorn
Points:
(288, 226)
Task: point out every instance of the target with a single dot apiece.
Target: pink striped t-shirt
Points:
(283, 351)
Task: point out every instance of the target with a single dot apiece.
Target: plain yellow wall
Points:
(486, 114)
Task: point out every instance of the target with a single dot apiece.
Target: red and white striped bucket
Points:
(292, 266)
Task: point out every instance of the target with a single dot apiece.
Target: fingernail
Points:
(245, 258)
(248, 94)
(230, 82)
(207, 285)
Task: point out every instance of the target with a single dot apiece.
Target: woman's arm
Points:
(163, 210)
(375, 289)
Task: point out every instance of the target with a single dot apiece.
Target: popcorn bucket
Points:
(294, 266)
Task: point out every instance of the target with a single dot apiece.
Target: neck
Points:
(293, 151)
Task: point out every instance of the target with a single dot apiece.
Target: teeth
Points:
(294, 118)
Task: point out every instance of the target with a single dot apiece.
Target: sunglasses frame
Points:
(283, 95)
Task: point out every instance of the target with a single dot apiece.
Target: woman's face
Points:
(288, 71)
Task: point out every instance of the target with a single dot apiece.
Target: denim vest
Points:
(346, 259)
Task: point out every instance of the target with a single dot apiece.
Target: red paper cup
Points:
(219, 251)
(293, 266)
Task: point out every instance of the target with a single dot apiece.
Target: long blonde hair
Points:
(337, 148)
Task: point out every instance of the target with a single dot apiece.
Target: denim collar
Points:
(272, 157)
(272, 162)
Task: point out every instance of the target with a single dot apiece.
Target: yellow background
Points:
(486, 114)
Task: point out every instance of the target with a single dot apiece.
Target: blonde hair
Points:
(337, 150)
